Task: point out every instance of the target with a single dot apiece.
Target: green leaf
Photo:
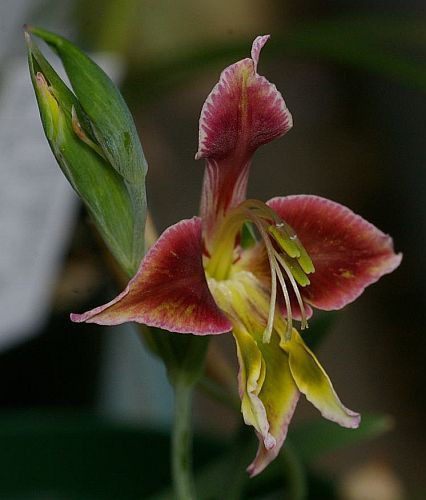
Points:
(314, 439)
(69, 455)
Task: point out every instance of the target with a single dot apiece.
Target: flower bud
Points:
(93, 137)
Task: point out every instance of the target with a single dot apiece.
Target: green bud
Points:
(111, 121)
(94, 140)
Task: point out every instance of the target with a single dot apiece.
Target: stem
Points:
(295, 474)
(182, 442)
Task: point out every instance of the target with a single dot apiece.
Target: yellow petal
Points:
(268, 392)
(251, 378)
(312, 380)
(267, 389)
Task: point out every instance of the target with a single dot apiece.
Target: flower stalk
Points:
(294, 474)
(181, 455)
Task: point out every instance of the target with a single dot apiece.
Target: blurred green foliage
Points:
(84, 457)
(394, 48)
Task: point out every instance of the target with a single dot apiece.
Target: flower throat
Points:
(288, 260)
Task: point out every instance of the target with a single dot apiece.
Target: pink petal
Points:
(242, 112)
(169, 291)
(348, 252)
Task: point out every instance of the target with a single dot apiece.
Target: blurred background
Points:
(353, 74)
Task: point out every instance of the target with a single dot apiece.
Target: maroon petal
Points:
(242, 112)
(348, 252)
(169, 291)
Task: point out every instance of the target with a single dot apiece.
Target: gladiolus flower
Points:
(204, 276)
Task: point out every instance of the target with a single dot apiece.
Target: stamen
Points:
(296, 270)
(272, 302)
(275, 271)
(281, 232)
(287, 304)
(293, 260)
(286, 238)
(305, 261)
(304, 322)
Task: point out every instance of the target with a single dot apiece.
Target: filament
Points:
(304, 322)
(287, 303)
(272, 302)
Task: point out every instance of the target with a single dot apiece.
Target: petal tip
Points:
(77, 318)
(252, 470)
(169, 291)
(394, 262)
(353, 420)
(269, 441)
(262, 460)
(257, 46)
(338, 414)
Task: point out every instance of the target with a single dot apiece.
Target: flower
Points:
(253, 268)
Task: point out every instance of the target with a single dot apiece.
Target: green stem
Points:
(182, 442)
(295, 473)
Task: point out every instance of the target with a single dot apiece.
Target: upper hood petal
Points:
(242, 112)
